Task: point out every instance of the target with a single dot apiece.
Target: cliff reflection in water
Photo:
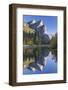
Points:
(39, 60)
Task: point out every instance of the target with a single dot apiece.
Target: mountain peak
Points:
(40, 24)
(33, 21)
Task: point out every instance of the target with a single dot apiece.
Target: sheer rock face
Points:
(39, 27)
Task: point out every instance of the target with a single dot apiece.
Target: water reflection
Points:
(39, 60)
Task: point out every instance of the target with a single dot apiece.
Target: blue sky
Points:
(49, 21)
